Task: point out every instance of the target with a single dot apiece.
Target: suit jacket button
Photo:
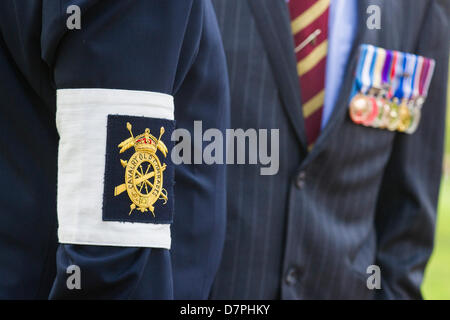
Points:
(300, 180)
(292, 276)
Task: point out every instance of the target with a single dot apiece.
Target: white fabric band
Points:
(81, 120)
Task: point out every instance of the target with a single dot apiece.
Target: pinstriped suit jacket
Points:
(362, 196)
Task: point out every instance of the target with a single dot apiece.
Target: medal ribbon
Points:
(367, 70)
(418, 75)
(392, 74)
(407, 76)
(408, 79)
(386, 79)
(378, 68)
(429, 75)
(423, 76)
(399, 75)
(362, 58)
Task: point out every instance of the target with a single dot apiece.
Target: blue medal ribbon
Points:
(362, 58)
(367, 70)
(399, 75)
(410, 70)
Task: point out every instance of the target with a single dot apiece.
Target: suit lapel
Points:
(273, 23)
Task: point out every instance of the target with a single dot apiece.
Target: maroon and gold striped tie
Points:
(309, 22)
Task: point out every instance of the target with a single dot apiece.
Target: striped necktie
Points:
(309, 22)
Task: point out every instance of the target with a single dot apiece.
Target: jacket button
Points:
(300, 180)
(292, 276)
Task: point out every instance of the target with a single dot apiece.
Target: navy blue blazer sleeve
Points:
(406, 212)
(143, 45)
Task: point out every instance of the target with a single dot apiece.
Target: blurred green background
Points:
(436, 284)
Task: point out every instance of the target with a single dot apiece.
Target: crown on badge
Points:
(144, 142)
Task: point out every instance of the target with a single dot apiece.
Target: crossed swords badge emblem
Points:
(143, 171)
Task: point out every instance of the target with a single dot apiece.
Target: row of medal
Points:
(390, 89)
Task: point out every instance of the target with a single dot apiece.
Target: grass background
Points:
(436, 284)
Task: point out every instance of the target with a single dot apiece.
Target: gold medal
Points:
(393, 118)
(384, 114)
(404, 115)
(381, 103)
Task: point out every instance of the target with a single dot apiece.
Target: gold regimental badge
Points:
(143, 171)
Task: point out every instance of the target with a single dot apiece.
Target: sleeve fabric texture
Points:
(151, 64)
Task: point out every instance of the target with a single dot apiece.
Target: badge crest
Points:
(143, 171)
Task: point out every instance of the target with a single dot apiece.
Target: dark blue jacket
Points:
(361, 197)
(171, 47)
